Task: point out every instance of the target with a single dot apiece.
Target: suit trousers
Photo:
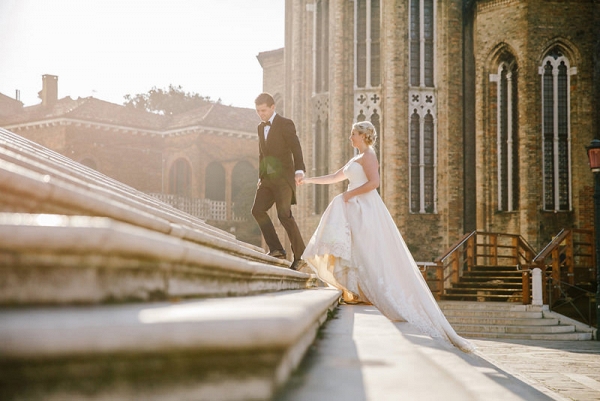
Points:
(277, 191)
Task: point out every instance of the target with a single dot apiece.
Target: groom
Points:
(281, 168)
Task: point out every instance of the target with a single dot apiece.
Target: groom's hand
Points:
(299, 177)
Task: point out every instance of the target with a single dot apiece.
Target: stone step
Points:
(212, 349)
(490, 319)
(512, 328)
(501, 314)
(55, 259)
(493, 306)
(512, 321)
(484, 295)
(577, 336)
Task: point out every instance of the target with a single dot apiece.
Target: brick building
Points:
(483, 108)
(203, 161)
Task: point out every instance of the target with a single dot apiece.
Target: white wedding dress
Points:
(357, 247)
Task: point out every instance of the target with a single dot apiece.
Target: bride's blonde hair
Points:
(367, 129)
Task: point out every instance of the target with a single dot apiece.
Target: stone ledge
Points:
(230, 348)
(51, 259)
(34, 179)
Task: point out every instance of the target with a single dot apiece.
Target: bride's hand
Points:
(346, 196)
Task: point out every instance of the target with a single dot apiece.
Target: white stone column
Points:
(536, 281)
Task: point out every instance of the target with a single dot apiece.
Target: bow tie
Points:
(265, 123)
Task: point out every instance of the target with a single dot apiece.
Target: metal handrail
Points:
(589, 294)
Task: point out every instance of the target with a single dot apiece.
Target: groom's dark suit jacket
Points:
(280, 155)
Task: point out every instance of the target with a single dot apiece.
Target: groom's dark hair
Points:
(264, 98)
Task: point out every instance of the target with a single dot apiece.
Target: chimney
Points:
(49, 92)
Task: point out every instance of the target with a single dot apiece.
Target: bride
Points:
(358, 249)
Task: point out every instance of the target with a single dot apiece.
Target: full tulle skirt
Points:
(358, 249)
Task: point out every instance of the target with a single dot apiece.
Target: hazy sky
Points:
(110, 48)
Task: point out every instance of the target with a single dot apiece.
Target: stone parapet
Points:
(213, 349)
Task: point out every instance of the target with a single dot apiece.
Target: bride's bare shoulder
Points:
(369, 156)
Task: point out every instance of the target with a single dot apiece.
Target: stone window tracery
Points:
(422, 108)
(555, 73)
(507, 135)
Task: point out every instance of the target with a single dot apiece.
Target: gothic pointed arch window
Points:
(422, 108)
(555, 72)
(422, 163)
(180, 177)
(215, 182)
(507, 134)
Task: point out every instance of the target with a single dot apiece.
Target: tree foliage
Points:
(173, 100)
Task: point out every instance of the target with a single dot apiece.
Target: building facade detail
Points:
(482, 109)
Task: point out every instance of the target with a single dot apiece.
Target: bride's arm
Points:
(326, 179)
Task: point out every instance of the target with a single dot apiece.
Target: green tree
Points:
(173, 100)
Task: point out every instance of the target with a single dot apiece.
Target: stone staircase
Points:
(107, 293)
(507, 320)
(488, 283)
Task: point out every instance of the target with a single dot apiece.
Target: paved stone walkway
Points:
(569, 370)
(363, 356)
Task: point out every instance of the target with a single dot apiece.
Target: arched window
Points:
(422, 108)
(180, 178)
(215, 182)
(507, 134)
(422, 163)
(556, 131)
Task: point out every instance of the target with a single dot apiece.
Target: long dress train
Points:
(358, 248)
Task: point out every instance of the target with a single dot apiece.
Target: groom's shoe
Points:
(298, 264)
(278, 253)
